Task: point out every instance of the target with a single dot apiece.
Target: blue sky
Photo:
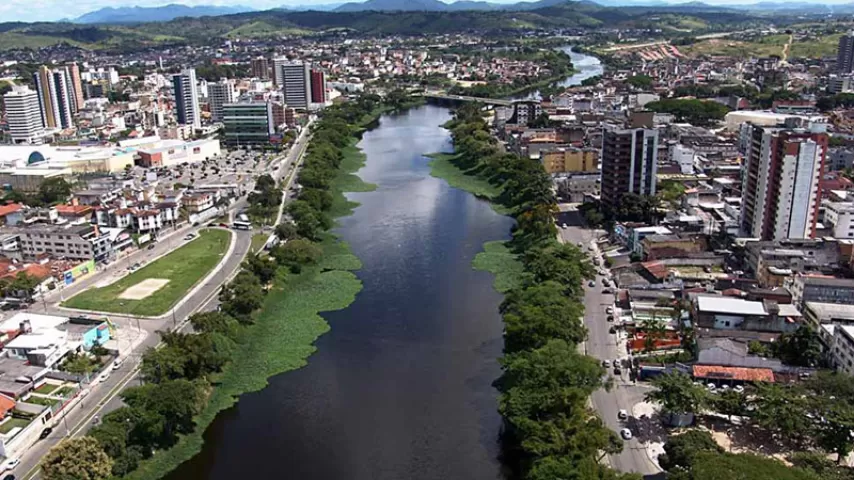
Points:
(51, 10)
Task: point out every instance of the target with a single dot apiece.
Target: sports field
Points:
(153, 289)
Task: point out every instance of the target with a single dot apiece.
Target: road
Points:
(604, 345)
(103, 397)
(633, 46)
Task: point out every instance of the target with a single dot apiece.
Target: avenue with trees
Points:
(550, 431)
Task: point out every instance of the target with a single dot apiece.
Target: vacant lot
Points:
(183, 268)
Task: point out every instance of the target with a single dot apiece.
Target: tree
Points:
(242, 296)
(537, 314)
(162, 364)
(177, 401)
(54, 190)
(834, 431)
(286, 231)
(639, 81)
(679, 450)
(801, 348)
(79, 458)
(709, 465)
(215, 322)
(677, 394)
(729, 402)
(782, 410)
(262, 266)
(296, 254)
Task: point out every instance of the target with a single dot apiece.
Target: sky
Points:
(52, 10)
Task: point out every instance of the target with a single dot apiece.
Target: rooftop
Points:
(829, 311)
(715, 372)
(735, 306)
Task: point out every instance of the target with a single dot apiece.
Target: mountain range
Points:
(157, 14)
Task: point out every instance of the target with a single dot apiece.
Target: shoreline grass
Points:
(497, 259)
(183, 267)
(442, 166)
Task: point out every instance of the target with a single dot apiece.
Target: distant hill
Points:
(156, 14)
(439, 6)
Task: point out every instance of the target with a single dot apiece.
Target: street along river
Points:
(401, 387)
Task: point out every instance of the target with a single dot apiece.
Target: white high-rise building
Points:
(278, 80)
(220, 93)
(780, 183)
(296, 85)
(24, 115)
(187, 98)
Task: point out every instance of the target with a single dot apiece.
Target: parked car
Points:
(738, 389)
(626, 434)
(591, 283)
(609, 310)
(117, 364)
(9, 477)
(622, 415)
(11, 464)
(150, 246)
(616, 362)
(606, 363)
(610, 318)
(47, 431)
(618, 371)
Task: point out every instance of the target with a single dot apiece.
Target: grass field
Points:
(183, 268)
(258, 241)
(442, 166)
(12, 423)
(497, 259)
(47, 388)
(47, 402)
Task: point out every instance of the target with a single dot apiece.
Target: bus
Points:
(241, 225)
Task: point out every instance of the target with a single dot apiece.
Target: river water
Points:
(401, 387)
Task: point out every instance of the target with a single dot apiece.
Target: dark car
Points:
(151, 246)
(617, 371)
(9, 477)
(47, 431)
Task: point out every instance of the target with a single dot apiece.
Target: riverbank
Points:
(285, 328)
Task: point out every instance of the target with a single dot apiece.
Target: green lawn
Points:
(64, 391)
(183, 268)
(12, 423)
(47, 402)
(258, 241)
(47, 388)
(347, 181)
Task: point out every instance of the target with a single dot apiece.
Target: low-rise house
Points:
(728, 313)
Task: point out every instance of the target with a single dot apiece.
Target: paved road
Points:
(604, 345)
(103, 397)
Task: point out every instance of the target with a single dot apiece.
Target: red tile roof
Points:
(10, 208)
(713, 372)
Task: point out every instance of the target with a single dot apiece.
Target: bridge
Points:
(444, 99)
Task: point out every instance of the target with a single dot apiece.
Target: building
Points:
(278, 79)
(525, 111)
(220, 93)
(840, 217)
(570, 160)
(43, 81)
(774, 263)
(248, 123)
(261, 68)
(780, 196)
(821, 289)
(845, 54)
(187, 98)
(629, 162)
(727, 313)
(842, 352)
(57, 99)
(76, 85)
(174, 152)
(296, 83)
(24, 116)
(79, 159)
(79, 242)
(318, 86)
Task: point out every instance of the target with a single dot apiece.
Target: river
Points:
(401, 387)
(586, 66)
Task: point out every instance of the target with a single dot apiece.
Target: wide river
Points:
(401, 387)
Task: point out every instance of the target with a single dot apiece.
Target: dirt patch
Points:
(143, 289)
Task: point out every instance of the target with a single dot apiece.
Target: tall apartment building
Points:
(76, 85)
(629, 162)
(57, 96)
(187, 98)
(845, 54)
(220, 93)
(318, 86)
(24, 115)
(66, 102)
(278, 62)
(248, 123)
(782, 169)
(296, 83)
(261, 68)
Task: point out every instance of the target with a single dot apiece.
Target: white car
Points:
(606, 363)
(609, 310)
(622, 415)
(711, 387)
(626, 434)
(738, 389)
(104, 376)
(11, 464)
(117, 364)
